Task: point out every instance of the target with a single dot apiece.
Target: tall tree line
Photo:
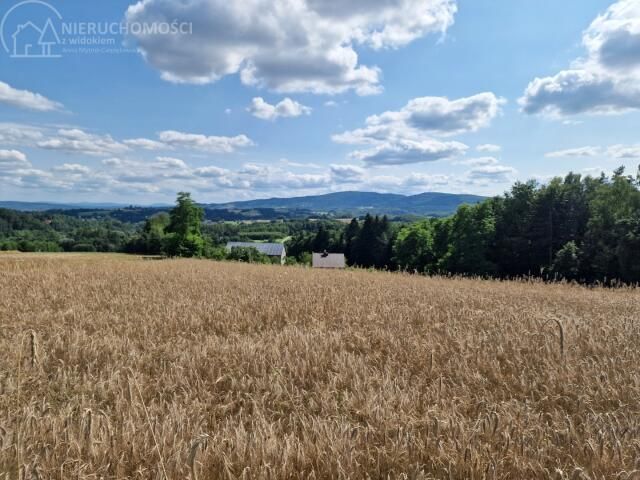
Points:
(369, 243)
(577, 228)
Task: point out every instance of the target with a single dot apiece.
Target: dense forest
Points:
(576, 228)
(57, 232)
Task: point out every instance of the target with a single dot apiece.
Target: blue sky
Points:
(294, 97)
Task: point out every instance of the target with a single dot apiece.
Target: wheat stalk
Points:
(146, 412)
(561, 329)
(33, 348)
(19, 424)
(199, 442)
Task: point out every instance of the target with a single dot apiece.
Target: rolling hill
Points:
(44, 206)
(358, 203)
(339, 203)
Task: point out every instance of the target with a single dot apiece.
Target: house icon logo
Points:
(28, 30)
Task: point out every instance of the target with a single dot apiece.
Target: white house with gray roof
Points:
(329, 260)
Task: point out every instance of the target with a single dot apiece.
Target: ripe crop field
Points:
(113, 367)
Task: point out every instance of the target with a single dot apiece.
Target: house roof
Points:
(328, 260)
(270, 249)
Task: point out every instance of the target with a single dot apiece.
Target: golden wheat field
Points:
(113, 367)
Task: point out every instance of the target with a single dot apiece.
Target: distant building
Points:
(273, 250)
(329, 260)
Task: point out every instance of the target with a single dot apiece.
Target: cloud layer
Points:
(575, 152)
(615, 152)
(165, 176)
(78, 141)
(406, 136)
(131, 176)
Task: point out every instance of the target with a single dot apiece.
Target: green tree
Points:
(414, 248)
(628, 249)
(184, 237)
(383, 243)
(154, 232)
(362, 255)
(610, 240)
(151, 240)
(471, 235)
(512, 250)
(322, 240)
(247, 255)
(567, 262)
(350, 236)
(372, 247)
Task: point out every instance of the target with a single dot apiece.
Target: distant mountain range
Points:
(337, 204)
(359, 203)
(45, 206)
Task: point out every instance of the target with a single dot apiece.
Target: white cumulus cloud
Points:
(405, 151)
(81, 142)
(406, 136)
(488, 148)
(346, 173)
(170, 162)
(211, 171)
(481, 161)
(145, 144)
(26, 99)
(213, 144)
(287, 108)
(494, 173)
(618, 152)
(72, 168)
(575, 152)
(606, 81)
(19, 134)
(12, 160)
(12, 156)
(287, 46)
(624, 151)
